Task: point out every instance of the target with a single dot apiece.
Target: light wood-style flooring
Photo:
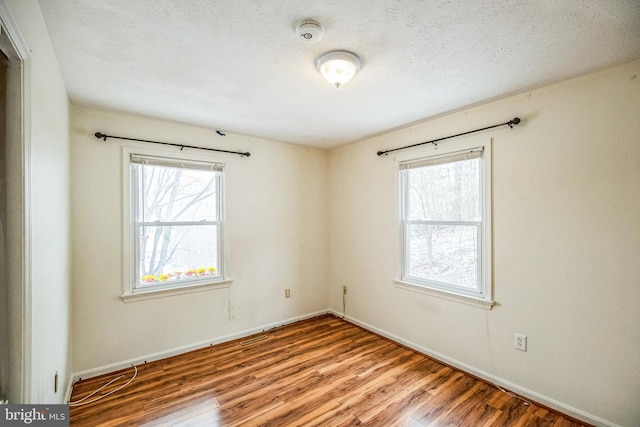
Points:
(318, 372)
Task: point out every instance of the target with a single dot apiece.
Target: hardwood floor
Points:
(318, 372)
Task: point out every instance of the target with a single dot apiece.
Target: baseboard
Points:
(490, 378)
(179, 350)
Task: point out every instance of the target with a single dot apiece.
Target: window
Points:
(446, 221)
(174, 222)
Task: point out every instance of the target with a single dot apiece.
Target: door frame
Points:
(19, 135)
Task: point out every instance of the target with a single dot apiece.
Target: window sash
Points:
(176, 223)
(437, 222)
(442, 159)
(407, 257)
(138, 181)
(137, 160)
(219, 274)
(405, 166)
(176, 163)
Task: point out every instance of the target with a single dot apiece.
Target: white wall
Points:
(276, 205)
(49, 200)
(566, 244)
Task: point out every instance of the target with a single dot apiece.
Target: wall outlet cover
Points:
(520, 342)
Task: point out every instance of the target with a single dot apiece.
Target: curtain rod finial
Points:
(513, 122)
(101, 135)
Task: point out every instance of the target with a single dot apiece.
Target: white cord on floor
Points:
(82, 402)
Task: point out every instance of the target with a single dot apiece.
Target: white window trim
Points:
(485, 298)
(128, 250)
(487, 304)
(167, 292)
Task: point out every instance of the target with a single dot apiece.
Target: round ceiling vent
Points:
(310, 32)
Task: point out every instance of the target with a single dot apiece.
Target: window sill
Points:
(450, 296)
(161, 293)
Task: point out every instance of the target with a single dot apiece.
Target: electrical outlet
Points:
(344, 289)
(287, 293)
(520, 342)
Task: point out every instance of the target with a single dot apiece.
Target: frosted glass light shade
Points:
(338, 66)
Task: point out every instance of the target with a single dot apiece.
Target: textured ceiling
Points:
(238, 66)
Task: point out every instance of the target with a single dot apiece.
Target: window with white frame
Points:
(174, 222)
(446, 224)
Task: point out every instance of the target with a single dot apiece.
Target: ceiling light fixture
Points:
(338, 66)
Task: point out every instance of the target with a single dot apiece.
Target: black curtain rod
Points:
(510, 123)
(104, 137)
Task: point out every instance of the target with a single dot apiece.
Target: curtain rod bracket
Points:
(104, 137)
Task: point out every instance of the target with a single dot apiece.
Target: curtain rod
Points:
(104, 137)
(510, 123)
